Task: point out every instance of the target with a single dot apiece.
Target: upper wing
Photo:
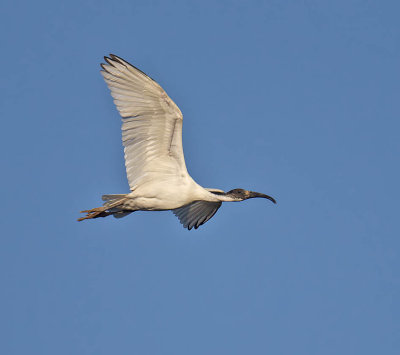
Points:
(196, 213)
(151, 124)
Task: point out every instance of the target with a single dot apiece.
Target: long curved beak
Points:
(257, 194)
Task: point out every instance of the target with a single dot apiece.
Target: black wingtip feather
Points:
(124, 62)
(108, 60)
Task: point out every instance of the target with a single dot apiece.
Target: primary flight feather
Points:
(154, 160)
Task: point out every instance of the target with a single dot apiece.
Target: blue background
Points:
(296, 99)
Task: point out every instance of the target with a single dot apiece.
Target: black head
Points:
(241, 195)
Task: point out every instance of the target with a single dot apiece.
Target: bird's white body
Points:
(154, 160)
(154, 196)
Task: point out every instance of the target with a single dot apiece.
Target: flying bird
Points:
(154, 161)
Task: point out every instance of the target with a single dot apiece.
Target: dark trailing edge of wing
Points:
(206, 220)
(195, 214)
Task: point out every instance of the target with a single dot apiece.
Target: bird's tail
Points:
(113, 205)
(111, 200)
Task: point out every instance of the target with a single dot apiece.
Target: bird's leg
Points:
(95, 213)
(97, 209)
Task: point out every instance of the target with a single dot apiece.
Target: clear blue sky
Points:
(296, 99)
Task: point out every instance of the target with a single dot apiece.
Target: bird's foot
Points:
(94, 213)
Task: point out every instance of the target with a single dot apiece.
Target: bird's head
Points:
(240, 195)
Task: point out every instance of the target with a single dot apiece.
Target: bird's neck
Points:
(219, 195)
(225, 198)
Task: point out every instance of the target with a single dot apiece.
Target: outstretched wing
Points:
(196, 213)
(151, 123)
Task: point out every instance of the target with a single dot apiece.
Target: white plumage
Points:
(154, 160)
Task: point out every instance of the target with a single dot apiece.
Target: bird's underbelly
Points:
(163, 197)
(153, 204)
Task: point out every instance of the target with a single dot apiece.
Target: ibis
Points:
(154, 161)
